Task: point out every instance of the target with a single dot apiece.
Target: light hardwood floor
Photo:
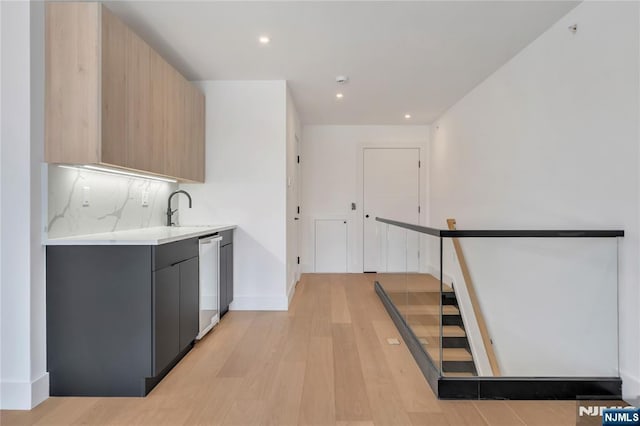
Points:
(325, 362)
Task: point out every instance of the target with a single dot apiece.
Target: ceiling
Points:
(401, 57)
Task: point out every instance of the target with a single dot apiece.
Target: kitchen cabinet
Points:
(119, 317)
(166, 316)
(176, 309)
(112, 100)
(226, 271)
(189, 301)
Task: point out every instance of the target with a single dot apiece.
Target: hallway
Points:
(324, 362)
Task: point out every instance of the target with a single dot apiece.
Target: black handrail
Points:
(504, 233)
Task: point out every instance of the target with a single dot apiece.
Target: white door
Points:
(391, 190)
(331, 245)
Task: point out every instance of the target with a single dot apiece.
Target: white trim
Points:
(630, 388)
(24, 395)
(252, 303)
(292, 290)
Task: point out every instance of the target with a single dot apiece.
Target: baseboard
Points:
(535, 388)
(24, 395)
(290, 292)
(249, 303)
(448, 279)
(630, 389)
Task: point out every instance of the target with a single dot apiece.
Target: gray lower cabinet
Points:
(119, 317)
(166, 317)
(175, 317)
(189, 302)
(226, 271)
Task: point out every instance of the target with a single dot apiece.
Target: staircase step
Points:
(449, 354)
(434, 330)
(392, 283)
(459, 374)
(427, 310)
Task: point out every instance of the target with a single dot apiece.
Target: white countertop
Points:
(139, 237)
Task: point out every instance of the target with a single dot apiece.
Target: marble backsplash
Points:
(115, 202)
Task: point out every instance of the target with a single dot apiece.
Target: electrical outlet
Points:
(86, 196)
(145, 198)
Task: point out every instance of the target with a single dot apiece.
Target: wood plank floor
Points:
(325, 362)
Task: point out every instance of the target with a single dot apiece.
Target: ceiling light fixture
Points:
(339, 95)
(264, 39)
(407, 116)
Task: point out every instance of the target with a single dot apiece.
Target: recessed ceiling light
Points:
(339, 95)
(264, 39)
(407, 116)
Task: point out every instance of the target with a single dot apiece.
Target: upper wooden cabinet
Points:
(112, 100)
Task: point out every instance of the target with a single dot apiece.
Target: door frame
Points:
(423, 195)
(298, 215)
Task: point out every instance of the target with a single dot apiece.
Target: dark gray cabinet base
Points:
(119, 317)
(226, 271)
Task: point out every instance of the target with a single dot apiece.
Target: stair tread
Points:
(434, 330)
(427, 310)
(449, 354)
(418, 283)
(458, 374)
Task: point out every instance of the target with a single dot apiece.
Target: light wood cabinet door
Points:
(159, 99)
(72, 63)
(127, 96)
(186, 149)
(197, 125)
(174, 123)
(114, 90)
(141, 151)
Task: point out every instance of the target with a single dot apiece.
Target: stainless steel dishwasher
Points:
(209, 283)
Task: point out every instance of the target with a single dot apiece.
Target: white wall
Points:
(23, 380)
(331, 163)
(293, 135)
(551, 141)
(245, 184)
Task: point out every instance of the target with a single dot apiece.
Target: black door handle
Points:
(366, 215)
(296, 218)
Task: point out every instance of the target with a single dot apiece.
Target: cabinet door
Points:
(226, 276)
(192, 166)
(142, 153)
(189, 301)
(72, 82)
(166, 316)
(115, 40)
(229, 268)
(128, 80)
(224, 303)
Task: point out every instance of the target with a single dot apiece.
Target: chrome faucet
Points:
(171, 212)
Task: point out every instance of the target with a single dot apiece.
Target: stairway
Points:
(418, 301)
